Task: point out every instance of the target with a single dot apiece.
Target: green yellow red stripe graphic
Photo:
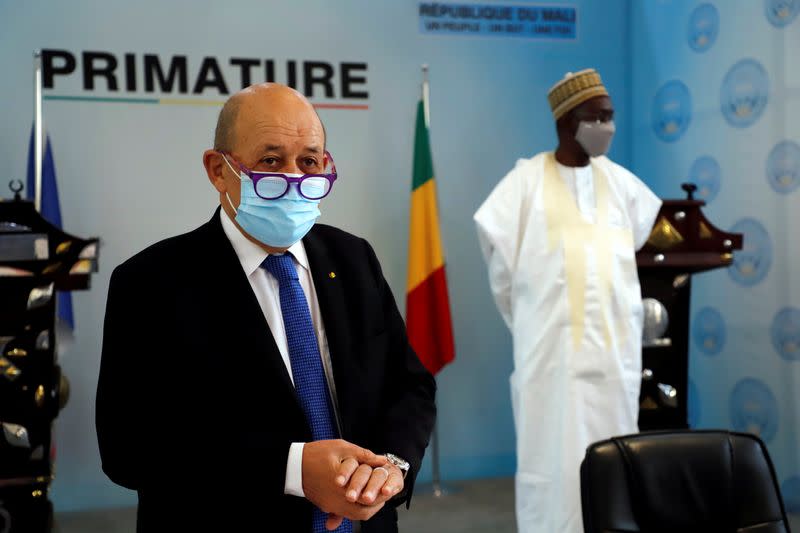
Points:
(180, 101)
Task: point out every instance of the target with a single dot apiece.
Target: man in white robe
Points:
(559, 234)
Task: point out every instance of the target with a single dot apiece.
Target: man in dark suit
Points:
(256, 374)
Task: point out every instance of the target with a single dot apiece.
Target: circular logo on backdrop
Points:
(744, 93)
(791, 494)
(672, 110)
(752, 263)
(708, 331)
(754, 409)
(781, 12)
(703, 27)
(785, 333)
(705, 173)
(693, 405)
(783, 167)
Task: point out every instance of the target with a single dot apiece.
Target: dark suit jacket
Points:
(195, 408)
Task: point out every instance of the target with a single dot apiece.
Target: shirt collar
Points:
(249, 253)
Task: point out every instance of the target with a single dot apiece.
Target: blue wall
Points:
(716, 101)
(479, 129)
(131, 173)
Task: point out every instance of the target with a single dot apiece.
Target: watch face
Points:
(402, 464)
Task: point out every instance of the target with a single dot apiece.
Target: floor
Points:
(478, 506)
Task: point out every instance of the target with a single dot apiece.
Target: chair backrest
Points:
(681, 481)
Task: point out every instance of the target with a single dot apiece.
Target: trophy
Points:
(37, 260)
(682, 243)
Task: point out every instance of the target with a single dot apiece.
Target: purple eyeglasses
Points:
(274, 185)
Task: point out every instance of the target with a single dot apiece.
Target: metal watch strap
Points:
(399, 462)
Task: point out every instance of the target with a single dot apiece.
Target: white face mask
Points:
(595, 137)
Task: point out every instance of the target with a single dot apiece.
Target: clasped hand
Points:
(347, 481)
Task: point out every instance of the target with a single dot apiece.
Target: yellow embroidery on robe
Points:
(567, 228)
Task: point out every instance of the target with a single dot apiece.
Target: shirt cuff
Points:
(294, 471)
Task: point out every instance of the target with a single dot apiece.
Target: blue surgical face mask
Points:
(278, 223)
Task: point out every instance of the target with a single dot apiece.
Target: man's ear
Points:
(215, 168)
(568, 124)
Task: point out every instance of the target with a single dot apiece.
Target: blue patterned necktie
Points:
(307, 370)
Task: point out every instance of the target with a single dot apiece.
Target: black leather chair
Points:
(681, 481)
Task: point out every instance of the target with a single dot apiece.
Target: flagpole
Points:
(426, 94)
(37, 134)
(437, 489)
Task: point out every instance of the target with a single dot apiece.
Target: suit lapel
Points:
(330, 295)
(236, 299)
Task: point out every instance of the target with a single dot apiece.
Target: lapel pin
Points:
(331, 275)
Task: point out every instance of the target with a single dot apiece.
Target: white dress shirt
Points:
(266, 289)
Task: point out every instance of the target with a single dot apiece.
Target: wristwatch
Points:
(400, 463)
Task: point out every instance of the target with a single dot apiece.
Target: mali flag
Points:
(430, 330)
